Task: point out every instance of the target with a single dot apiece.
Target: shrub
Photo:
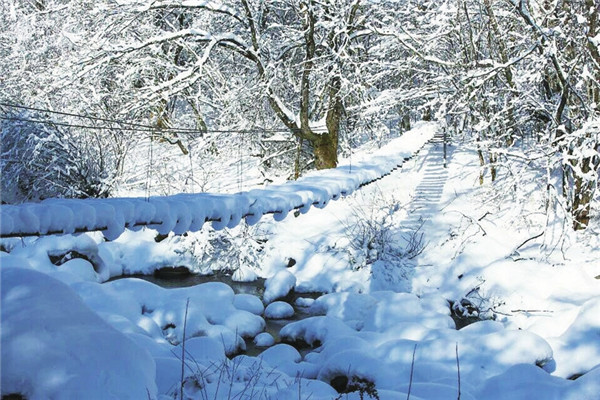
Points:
(41, 160)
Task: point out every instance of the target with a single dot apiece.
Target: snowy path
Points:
(428, 193)
(325, 242)
(188, 212)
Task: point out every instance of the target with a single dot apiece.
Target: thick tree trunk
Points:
(582, 197)
(325, 150)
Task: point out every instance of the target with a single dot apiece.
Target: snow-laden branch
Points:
(497, 67)
(209, 5)
(402, 39)
(185, 76)
(197, 34)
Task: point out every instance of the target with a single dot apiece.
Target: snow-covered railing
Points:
(188, 212)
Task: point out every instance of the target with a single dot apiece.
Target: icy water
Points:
(256, 288)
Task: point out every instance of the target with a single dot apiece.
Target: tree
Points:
(568, 40)
(310, 61)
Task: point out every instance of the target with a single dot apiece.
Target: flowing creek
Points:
(256, 288)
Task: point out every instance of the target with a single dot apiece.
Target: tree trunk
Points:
(325, 150)
(405, 123)
(297, 160)
(493, 159)
(582, 203)
(582, 196)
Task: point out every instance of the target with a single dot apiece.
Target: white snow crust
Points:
(279, 310)
(68, 333)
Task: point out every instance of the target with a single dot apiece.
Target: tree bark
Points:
(325, 150)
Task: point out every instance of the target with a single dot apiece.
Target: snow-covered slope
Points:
(385, 325)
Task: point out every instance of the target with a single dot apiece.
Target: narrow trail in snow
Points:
(428, 193)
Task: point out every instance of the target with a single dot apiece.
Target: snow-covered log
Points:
(188, 212)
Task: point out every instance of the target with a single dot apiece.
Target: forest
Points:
(431, 168)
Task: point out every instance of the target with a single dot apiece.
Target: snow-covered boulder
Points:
(264, 339)
(304, 301)
(279, 310)
(248, 302)
(54, 346)
(278, 286)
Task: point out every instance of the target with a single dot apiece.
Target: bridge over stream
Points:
(189, 212)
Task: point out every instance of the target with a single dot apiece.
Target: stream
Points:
(273, 326)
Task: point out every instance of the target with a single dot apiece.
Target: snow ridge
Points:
(188, 212)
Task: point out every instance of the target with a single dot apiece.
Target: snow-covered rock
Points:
(279, 310)
(248, 302)
(304, 301)
(264, 339)
(278, 286)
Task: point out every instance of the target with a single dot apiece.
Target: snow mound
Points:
(278, 286)
(381, 337)
(54, 346)
(279, 310)
(585, 330)
(207, 309)
(264, 339)
(248, 302)
(304, 301)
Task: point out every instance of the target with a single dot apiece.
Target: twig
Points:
(471, 219)
(412, 368)
(458, 370)
(187, 304)
(528, 240)
(484, 215)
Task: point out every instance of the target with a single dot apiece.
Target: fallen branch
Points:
(532, 311)
(527, 241)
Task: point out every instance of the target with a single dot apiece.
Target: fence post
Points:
(445, 140)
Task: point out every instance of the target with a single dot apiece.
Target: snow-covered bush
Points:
(235, 251)
(374, 234)
(41, 160)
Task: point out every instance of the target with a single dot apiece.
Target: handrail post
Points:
(445, 141)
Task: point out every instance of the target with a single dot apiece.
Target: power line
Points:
(12, 105)
(134, 127)
(57, 123)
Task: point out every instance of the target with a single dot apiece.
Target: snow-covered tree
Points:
(310, 62)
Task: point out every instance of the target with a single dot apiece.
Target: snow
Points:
(304, 301)
(278, 286)
(66, 350)
(585, 329)
(384, 317)
(248, 302)
(188, 212)
(264, 339)
(279, 310)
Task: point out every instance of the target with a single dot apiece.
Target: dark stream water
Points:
(256, 288)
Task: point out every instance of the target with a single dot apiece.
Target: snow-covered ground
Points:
(392, 258)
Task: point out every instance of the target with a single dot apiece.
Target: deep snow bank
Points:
(54, 346)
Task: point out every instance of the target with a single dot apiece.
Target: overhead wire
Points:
(132, 126)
